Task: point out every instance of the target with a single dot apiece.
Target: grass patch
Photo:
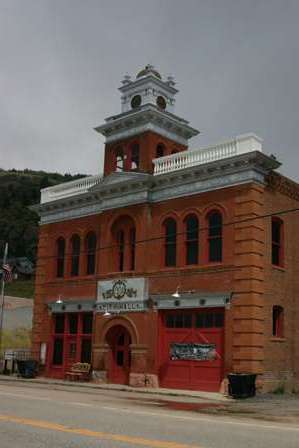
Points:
(20, 288)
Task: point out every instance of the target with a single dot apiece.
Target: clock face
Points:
(136, 101)
(161, 102)
(119, 289)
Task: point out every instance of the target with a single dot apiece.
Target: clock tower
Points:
(147, 127)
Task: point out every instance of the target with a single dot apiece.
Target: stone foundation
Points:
(143, 380)
(99, 376)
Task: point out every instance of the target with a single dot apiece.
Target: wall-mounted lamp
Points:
(106, 314)
(176, 294)
(59, 301)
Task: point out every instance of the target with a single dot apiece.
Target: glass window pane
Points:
(73, 323)
(187, 320)
(178, 320)
(58, 352)
(87, 323)
(215, 249)
(219, 320)
(59, 323)
(120, 358)
(199, 322)
(86, 350)
(169, 321)
(209, 320)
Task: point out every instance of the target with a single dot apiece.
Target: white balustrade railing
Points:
(239, 145)
(68, 189)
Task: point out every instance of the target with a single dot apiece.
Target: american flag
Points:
(7, 273)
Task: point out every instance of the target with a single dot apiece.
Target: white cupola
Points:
(147, 88)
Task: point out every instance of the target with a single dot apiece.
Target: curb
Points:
(211, 396)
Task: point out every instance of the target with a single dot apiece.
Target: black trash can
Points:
(241, 385)
(21, 367)
(28, 369)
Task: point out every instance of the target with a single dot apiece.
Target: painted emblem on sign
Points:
(119, 289)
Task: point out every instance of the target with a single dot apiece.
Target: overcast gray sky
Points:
(235, 62)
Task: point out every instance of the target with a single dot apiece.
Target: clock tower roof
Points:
(148, 70)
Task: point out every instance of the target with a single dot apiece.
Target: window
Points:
(215, 237)
(86, 350)
(73, 323)
(159, 151)
(58, 352)
(121, 249)
(59, 323)
(178, 320)
(120, 159)
(209, 320)
(170, 242)
(277, 321)
(191, 240)
(277, 234)
(135, 157)
(91, 244)
(87, 319)
(132, 248)
(75, 243)
(60, 244)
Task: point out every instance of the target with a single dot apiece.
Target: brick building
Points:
(175, 266)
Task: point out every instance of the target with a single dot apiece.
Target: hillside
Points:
(18, 224)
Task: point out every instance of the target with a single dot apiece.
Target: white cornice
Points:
(145, 119)
(238, 170)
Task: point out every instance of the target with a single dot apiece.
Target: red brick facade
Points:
(246, 270)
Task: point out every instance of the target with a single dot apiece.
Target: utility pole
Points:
(2, 295)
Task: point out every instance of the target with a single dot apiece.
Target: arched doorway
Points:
(119, 340)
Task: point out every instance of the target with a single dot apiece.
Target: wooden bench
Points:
(78, 371)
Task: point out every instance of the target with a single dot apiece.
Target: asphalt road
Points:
(35, 416)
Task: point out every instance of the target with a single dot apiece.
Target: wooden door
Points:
(120, 356)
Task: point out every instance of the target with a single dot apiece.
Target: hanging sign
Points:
(192, 352)
(122, 295)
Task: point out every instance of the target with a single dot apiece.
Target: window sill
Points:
(279, 268)
(277, 339)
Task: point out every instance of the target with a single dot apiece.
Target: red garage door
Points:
(191, 349)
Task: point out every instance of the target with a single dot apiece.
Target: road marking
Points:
(43, 424)
(220, 419)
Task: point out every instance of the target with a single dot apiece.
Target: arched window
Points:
(121, 249)
(192, 228)
(170, 242)
(91, 244)
(215, 236)
(132, 247)
(75, 244)
(120, 159)
(277, 242)
(277, 321)
(160, 151)
(60, 250)
(135, 156)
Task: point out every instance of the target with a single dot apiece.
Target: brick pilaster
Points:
(248, 297)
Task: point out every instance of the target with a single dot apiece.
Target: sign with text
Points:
(192, 352)
(122, 295)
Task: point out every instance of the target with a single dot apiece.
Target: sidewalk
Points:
(213, 396)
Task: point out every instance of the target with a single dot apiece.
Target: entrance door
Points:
(71, 351)
(191, 349)
(119, 342)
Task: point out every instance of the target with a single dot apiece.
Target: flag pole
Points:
(2, 295)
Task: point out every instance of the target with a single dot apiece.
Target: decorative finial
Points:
(127, 79)
(170, 80)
